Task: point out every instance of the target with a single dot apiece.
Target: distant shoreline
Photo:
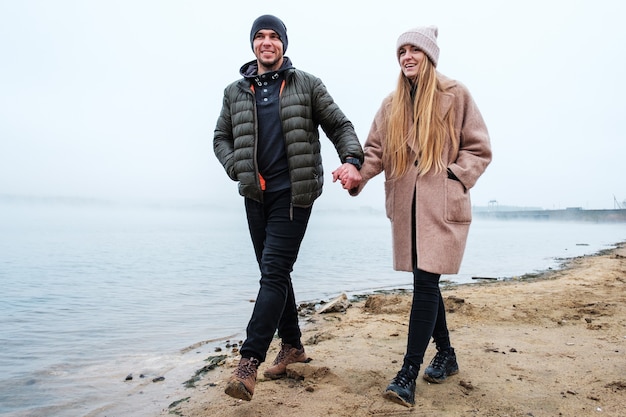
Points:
(568, 214)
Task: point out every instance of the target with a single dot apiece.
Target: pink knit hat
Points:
(425, 38)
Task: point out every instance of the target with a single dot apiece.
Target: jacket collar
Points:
(250, 69)
(446, 98)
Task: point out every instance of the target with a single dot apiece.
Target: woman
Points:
(432, 143)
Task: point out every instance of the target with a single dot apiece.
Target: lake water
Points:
(90, 294)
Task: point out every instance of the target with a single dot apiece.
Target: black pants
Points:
(276, 238)
(428, 318)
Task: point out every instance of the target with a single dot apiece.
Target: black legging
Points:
(428, 318)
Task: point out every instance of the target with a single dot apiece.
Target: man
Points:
(267, 139)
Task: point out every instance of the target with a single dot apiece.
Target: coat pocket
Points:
(458, 202)
(389, 197)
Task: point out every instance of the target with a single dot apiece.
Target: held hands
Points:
(349, 176)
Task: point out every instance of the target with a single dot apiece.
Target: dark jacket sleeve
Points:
(335, 124)
(223, 143)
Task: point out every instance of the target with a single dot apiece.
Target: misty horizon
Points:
(118, 100)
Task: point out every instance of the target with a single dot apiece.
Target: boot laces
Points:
(244, 370)
(403, 378)
(440, 359)
(284, 350)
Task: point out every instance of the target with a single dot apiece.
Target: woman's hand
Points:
(349, 176)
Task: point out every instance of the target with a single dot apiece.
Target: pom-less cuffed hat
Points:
(425, 38)
(268, 21)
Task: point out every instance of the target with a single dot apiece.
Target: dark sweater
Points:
(271, 154)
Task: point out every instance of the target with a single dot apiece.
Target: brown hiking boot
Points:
(241, 383)
(287, 355)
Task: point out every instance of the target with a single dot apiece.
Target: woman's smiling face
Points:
(410, 58)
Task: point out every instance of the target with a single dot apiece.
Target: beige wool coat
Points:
(443, 209)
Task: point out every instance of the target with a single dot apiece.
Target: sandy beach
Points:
(550, 345)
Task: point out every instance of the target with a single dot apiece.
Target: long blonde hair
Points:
(428, 131)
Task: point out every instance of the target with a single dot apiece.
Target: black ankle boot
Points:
(401, 389)
(442, 366)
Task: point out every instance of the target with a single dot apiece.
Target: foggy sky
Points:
(119, 99)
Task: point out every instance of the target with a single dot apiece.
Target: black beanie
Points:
(268, 21)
